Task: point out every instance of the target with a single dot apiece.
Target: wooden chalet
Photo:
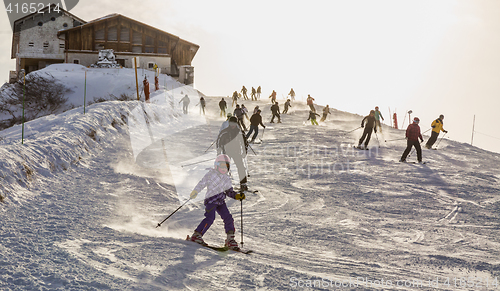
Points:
(55, 39)
(128, 38)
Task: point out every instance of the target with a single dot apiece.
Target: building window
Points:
(113, 33)
(137, 38)
(46, 44)
(61, 45)
(162, 47)
(151, 65)
(75, 61)
(31, 44)
(99, 34)
(65, 24)
(99, 46)
(150, 40)
(124, 34)
(40, 23)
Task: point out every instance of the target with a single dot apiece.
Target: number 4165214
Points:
(31, 8)
(477, 282)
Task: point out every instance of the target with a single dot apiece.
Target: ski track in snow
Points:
(92, 225)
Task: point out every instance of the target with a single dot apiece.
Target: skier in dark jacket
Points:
(287, 104)
(369, 127)
(222, 106)
(202, 104)
(232, 142)
(239, 113)
(235, 98)
(312, 117)
(275, 109)
(413, 135)
(255, 120)
(254, 97)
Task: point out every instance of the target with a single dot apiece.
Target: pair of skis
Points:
(256, 141)
(360, 148)
(222, 249)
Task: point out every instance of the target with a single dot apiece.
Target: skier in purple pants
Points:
(219, 186)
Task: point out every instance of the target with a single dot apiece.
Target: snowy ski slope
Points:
(84, 193)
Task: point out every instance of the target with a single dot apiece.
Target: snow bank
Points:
(54, 143)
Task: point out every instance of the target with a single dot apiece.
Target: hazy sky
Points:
(433, 57)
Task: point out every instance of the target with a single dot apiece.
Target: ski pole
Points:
(210, 146)
(441, 139)
(426, 131)
(252, 149)
(412, 151)
(196, 163)
(395, 139)
(159, 224)
(352, 130)
(241, 220)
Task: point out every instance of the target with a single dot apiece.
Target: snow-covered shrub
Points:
(41, 94)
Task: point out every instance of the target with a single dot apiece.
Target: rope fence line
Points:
(487, 135)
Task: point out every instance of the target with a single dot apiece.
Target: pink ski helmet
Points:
(222, 162)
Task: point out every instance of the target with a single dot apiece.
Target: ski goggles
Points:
(223, 165)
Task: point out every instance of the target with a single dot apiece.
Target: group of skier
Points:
(185, 104)
(275, 109)
(312, 111)
(232, 143)
(413, 135)
(254, 94)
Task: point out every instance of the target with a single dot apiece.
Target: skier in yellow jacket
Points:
(437, 126)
